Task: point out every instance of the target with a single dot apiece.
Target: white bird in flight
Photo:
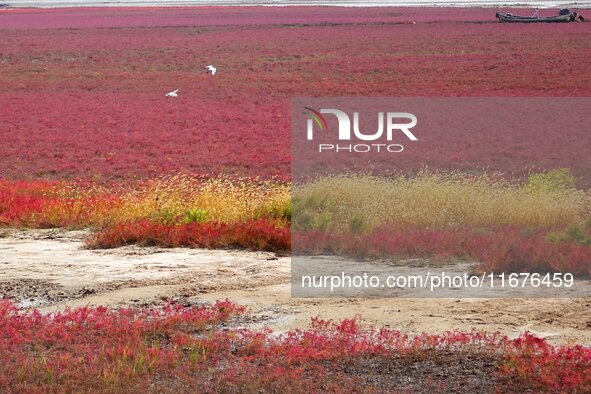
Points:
(172, 94)
(212, 69)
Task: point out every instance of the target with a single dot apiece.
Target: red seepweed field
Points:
(187, 349)
(82, 90)
(88, 140)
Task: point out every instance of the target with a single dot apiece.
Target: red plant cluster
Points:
(255, 235)
(507, 249)
(96, 347)
(20, 199)
(553, 369)
(181, 349)
(512, 251)
(39, 204)
(91, 105)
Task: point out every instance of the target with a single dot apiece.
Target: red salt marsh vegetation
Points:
(82, 90)
(175, 348)
(87, 139)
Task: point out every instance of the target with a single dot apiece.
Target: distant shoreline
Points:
(51, 4)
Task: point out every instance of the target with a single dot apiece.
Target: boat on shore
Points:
(564, 16)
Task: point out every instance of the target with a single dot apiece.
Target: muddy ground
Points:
(51, 269)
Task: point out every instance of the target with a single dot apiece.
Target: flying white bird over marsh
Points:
(212, 69)
(172, 94)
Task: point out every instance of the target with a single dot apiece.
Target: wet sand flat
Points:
(50, 269)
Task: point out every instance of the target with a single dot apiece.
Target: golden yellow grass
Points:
(169, 199)
(439, 200)
(354, 202)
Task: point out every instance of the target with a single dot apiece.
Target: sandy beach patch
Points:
(50, 269)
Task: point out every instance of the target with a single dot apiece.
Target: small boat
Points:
(564, 16)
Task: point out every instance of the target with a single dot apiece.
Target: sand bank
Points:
(50, 269)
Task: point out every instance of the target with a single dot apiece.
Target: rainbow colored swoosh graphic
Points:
(317, 117)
